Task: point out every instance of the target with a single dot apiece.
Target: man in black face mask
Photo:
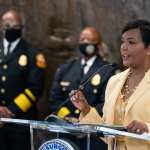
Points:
(89, 43)
(21, 81)
(70, 75)
(11, 27)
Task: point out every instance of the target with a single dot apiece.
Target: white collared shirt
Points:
(13, 45)
(88, 63)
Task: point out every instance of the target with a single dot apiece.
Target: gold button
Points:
(3, 78)
(5, 66)
(3, 102)
(63, 89)
(95, 91)
(2, 90)
(77, 111)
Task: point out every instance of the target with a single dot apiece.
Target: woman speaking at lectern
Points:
(127, 97)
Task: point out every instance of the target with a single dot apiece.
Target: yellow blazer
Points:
(138, 107)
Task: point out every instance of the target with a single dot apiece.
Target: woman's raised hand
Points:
(79, 101)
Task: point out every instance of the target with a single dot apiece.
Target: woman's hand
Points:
(137, 127)
(79, 101)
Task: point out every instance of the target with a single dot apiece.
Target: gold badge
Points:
(96, 80)
(23, 60)
(40, 61)
(77, 111)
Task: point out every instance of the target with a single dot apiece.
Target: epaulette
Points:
(66, 66)
(72, 59)
(40, 60)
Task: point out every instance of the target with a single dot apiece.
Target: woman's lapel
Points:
(141, 88)
(115, 91)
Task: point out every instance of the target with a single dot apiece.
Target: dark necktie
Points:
(82, 69)
(8, 49)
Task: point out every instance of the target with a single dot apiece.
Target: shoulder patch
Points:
(40, 60)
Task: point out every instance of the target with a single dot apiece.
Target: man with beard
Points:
(21, 81)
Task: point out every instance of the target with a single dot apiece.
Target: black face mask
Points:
(12, 34)
(88, 49)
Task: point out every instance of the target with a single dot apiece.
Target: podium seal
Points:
(56, 144)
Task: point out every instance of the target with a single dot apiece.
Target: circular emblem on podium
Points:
(56, 144)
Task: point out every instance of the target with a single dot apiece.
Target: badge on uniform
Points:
(23, 60)
(96, 80)
(40, 60)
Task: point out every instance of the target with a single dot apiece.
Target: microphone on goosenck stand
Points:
(53, 117)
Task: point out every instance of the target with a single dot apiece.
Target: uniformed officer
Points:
(21, 81)
(88, 70)
(71, 74)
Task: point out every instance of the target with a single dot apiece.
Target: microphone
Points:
(81, 87)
